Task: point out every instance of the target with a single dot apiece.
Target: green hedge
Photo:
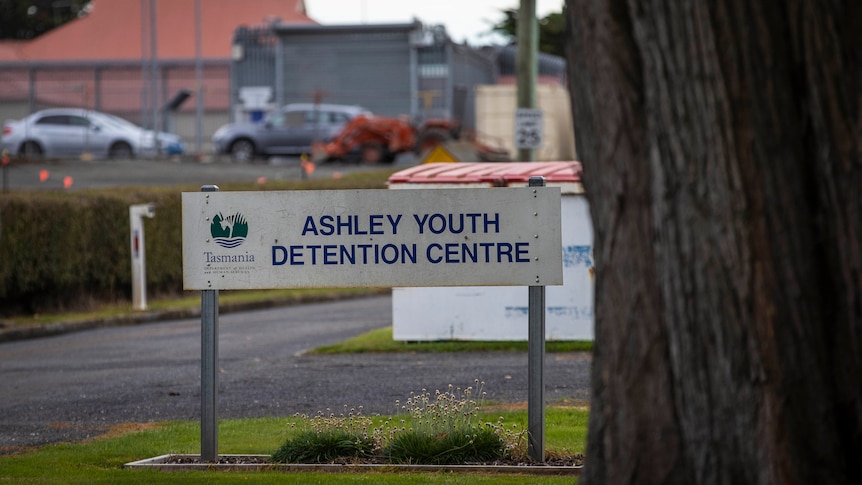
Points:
(70, 250)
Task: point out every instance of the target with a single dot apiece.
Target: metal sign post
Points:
(536, 364)
(209, 368)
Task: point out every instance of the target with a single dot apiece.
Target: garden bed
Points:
(179, 462)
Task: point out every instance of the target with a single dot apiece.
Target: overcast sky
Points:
(465, 20)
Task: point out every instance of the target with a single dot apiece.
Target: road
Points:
(55, 175)
(74, 386)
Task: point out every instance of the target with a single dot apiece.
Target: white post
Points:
(139, 283)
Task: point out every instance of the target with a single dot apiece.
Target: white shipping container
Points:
(500, 313)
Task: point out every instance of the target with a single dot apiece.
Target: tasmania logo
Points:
(230, 231)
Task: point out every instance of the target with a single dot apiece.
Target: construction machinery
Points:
(374, 139)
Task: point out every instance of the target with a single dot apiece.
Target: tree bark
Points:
(722, 149)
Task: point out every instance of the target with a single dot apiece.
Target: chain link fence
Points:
(126, 90)
(394, 70)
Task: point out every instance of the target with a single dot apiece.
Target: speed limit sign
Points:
(528, 128)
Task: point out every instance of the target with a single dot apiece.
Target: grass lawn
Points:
(101, 460)
(191, 301)
(380, 340)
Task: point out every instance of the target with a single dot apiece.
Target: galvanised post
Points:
(209, 368)
(536, 364)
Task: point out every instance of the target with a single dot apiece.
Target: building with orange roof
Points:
(119, 30)
(117, 59)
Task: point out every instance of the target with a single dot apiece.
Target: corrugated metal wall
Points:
(369, 67)
(470, 68)
(253, 59)
(393, 70)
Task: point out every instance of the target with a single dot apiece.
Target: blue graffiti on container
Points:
(578, 256)
(573, 257)
(582, 312)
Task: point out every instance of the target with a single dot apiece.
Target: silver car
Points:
(74, 132)
(288, 131)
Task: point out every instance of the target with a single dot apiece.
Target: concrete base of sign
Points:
(246, 463)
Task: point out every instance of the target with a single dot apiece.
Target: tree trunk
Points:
(722, 148)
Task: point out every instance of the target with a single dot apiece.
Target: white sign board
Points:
(372, 238)
(255, 97)
(528, 128)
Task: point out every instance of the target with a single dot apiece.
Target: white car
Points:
(73, 132)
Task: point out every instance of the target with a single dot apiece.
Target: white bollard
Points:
(139, 284)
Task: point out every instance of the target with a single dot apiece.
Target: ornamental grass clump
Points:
(439, 429)
(455, 448)
(323, 447)
(444, 430)
(327, 437)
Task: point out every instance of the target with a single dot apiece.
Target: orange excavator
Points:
(380, 139)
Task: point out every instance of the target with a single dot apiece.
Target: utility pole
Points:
(528, 46)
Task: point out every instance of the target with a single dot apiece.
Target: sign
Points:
(372, 238)
(439, 155)
(255, 97)
(528, 128)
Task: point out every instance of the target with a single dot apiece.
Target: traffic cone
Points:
(307, 166)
